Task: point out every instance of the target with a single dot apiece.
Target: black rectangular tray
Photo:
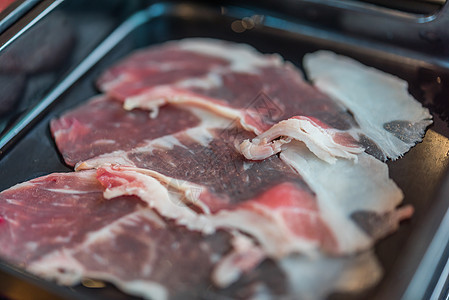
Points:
(414, 258)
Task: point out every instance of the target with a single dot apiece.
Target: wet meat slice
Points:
(257, 90)
(102, 126)
(284, 219)
(142, 255)
(231, 74)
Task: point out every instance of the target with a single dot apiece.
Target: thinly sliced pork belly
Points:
(386, 112)
(256, 90)
(101, 126)
(351, 195)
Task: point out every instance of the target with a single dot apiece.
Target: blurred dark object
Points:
(30, 65)
(411, 6)
(365, 23)
(44, 48)
(45, 40)
(12, 87)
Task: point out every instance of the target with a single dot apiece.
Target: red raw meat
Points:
(55, 211)
(266, 199)
(102, 126)
(210, 185)
(61, 227)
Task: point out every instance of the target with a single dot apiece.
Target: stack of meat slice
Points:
(228, 163)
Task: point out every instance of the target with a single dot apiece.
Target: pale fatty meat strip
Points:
(61, 228)
(257, 90)
(102, 126)
(358, 199)
(387, 114)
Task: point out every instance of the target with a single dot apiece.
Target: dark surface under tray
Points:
(420, 173)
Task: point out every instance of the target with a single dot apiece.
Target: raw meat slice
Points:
(166, 261)
(284, 219)
(102, 126)
(166, 254)
(224, 189)
(386, 112)
(229, 191)
(61, 227)
(55, 211)
(257, 90)
(270, 98)
(89, 237)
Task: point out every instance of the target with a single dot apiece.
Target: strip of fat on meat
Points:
(326, 143)
(380, 102)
